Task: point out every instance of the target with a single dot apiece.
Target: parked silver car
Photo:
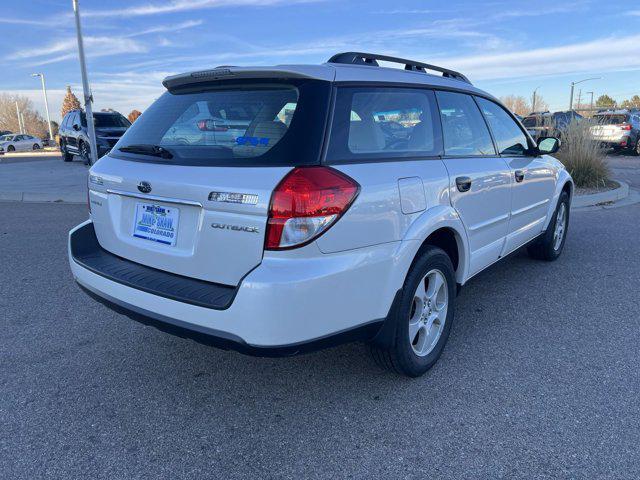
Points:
(618, 129)
(19, 143)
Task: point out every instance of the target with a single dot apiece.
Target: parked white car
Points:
(19, 143)
(323, 227)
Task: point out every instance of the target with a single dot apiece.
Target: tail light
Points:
(305, 204)
(625, 126)
(211, 126)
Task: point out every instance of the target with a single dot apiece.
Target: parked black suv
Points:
(74, 139)
(547, 124)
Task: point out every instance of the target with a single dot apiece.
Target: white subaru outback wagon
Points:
(352, 203)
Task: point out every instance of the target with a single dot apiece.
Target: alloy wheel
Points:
(561, 226)
(428, 312)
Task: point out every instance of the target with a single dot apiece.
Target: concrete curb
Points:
(580, 201)
(29, 197)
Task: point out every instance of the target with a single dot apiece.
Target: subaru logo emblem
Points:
(144, 187)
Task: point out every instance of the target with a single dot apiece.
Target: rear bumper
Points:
(286, 305)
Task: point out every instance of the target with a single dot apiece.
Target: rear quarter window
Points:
(374, 123)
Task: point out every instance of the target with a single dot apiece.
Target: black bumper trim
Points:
(227, 341)
(87, 252)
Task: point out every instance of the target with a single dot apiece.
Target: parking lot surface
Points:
(540, 379)
(42, 178)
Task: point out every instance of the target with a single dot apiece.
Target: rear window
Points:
(235, 124)
(536, 121)
(610, 119)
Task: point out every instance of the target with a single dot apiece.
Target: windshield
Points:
(231, 124)
(610, 119)
(6, 138)
(110, 120)
(107, 120)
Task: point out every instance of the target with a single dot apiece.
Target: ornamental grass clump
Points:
(583, 157)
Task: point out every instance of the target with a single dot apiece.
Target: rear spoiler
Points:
(232, 73)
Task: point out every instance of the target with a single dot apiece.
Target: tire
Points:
(548, 247)
(66, 156)
(85, 153)
(636, 151)
(431, 322)
(36, 146)
(11, 148)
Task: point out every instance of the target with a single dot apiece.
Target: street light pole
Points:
(573, 84)
(19, 118)
(88, 98)
(46, 103)
(533, 100)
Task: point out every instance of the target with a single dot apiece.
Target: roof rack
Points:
(370, 59)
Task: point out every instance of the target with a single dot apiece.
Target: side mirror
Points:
(548, 145)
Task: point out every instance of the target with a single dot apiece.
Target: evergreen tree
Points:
(70, 102)
(605, 101)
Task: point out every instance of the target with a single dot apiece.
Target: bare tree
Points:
(133, 116)
(517, 104)
(33, 122)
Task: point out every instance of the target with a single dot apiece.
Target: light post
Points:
(533, 101)
(88, 98)
(46, 103)
(573, 84)
(19, 118)
(591, 103)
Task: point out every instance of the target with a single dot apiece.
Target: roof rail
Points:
(360, 58)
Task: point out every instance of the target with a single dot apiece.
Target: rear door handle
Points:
(463, 184)
(519, 176)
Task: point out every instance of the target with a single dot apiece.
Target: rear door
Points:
(533, 178)
(22, 144)
(480, 180)
(202, 213)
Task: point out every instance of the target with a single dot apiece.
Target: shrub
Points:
(583, 157)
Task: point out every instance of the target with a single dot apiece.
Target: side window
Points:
(372, 123)
(506, 132)
(463, 128)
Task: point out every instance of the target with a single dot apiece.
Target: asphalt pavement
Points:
(540, 379)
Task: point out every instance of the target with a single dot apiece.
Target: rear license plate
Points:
(156, 223)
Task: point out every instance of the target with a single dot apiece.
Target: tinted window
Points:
(465, 131)
(610, 119)
(228, 123)
(506, 132)
(106, 120)
(372, 123)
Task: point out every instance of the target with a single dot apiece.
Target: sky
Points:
(504, 47)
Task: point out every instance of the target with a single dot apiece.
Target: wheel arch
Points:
(563, 184)
(440, 227)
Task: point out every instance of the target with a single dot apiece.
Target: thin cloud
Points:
(187, 5)
(66, 49)
(604, 54)
(167, 28)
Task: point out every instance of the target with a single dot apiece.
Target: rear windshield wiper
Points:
(147, 149)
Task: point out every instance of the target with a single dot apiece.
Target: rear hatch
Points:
(610, 127)
(190, 200)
